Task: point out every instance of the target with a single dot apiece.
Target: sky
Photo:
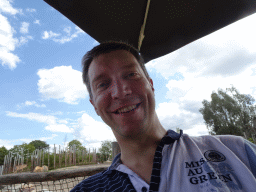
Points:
(43, 97)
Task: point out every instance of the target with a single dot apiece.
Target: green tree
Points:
(178, 130)
(3, 152)
(39, 144)
(105, 150)
(77, 143)
(229, 112)
(25, 149)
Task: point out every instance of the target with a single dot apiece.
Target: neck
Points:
(135, 150)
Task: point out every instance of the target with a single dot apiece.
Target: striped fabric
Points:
(107, 181)
(155, 177)
(112, 180)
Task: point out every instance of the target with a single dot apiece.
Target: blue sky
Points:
(43, 97)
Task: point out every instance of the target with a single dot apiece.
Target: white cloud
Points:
(31, 10)
(88, 131)
(220, 60)
(63, 121)
(8, 58)
(23, 40)
(52, 126)
(7, 42)
(50, 34)
(59, 128)
(10, 143)
(37, 22)
(48, 138)
(197, 130)
(226, 52)
(30, 103)
(34, 116)
(67, 30)
(24, 27)
(62, 83)
(67, 37)
(6, 7)
(186, 96)
(79, 112)
(57, 113)
(26, 140)
(6, 143)
(6, 35)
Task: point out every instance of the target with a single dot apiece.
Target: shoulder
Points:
(226, 144)
(93, 181)
(107, 181)
(215, 139)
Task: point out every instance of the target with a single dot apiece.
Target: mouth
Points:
(127, 109)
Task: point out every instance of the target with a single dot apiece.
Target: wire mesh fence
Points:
(48, 181)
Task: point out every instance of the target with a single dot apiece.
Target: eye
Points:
(133, 74)
(101, 85)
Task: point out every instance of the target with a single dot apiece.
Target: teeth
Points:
(123, 110)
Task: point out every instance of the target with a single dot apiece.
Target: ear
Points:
(96, 110)
(151, 84)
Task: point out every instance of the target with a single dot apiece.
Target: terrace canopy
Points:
(155, 27)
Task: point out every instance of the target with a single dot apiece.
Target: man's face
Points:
(122, 95)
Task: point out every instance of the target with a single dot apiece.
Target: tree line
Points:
(26, 150)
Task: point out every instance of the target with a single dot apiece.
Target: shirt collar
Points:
(117, 160)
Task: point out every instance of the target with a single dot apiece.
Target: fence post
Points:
(89, 156)
(115, 149)
(37, 157)
(82, 156)
(59, 156)
(43, 158)
(14, 164)
(1, 170)
(93, 155)
(32, 162)
(10, 164)
(74, 154)
(40, 157)
(4, 164)
(85, 155)
(70, 160)
(65, 152)
(48, 157)
(79, 156)
(54, 156)
(27, 162)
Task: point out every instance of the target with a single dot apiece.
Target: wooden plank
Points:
(50, 176)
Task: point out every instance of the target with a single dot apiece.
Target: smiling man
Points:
(151, 158)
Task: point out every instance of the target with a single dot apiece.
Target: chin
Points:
(128, 132)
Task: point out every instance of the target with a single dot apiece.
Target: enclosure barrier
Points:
(62, 181)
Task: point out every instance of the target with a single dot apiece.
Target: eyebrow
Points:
(129, 66)
(98, 77)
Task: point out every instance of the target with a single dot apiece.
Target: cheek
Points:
(102, 101)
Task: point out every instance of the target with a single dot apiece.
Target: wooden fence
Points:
(14, 162)
(64, 180)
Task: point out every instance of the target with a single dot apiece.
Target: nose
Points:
(120, 89)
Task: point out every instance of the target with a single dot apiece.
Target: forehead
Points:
(111, 62)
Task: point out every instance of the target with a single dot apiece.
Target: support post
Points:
(115, 149)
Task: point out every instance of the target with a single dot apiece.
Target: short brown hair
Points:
(107, 47)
